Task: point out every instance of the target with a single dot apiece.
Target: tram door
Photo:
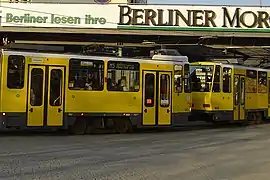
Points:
(239, 97)
(156, 98)
(45, 96)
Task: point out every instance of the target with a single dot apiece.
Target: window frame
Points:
(167, 93)
(146, 89)
(181, 78)
(258, 80)
(236, 90)
(60, 88)
(186, 76)
(249, 77)
(208, 84)
(89, 60)
(40, 99)
(230, 80)
(218, 80)
(136, 69)
(22, 69)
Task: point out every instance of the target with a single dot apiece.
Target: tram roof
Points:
(257, 56)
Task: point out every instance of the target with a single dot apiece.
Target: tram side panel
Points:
(157, 102)
(13, 90)
(268, 93)
(181, 95)
(256, 94)
(113, 90)
(207, 96)
(201, 96)
(239, 93)
(251, 89)
(30, 95)
(262, 94)
(213, 92)
(221, 102)
(139, 92)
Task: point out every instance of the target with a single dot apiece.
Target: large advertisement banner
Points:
(59, 15)
(137, 17)
(212, 18)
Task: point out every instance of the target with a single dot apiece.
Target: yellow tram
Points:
(85, 93)
(227, 92)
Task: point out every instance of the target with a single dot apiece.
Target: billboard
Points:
(59, 15)
(137, 17)
(214, 18)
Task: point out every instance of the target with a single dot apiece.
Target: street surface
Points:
(241, 153)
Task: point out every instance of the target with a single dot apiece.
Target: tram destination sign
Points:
(214, 18)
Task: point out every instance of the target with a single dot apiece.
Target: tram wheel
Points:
(122, 125)
(79, 127)
(258, 118)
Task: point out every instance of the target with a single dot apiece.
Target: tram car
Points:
(84, 93)
(229, 93)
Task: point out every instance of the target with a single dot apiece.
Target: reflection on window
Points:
(262, 82)
(201, 77)
(236, 90)
(15, 74)
(149, 90)
(86, 75)
(251, 81)
(187, 88)
(56, 87)
(165, 90)
(216, 84)
(36, 88)
(178, 72)
(123, 76)
(227, 79)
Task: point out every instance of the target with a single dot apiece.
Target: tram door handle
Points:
(59, 110)
(145, 110)
(31, 109)
(168, 111)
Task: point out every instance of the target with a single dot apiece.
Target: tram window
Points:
(165, 90)
(178, 73)
(236, 90)
(227, 79)
(149, 90)
(251, 81)
(262, 82)
(187, 87)
(242, 91)
(36, 88)
(216, 84)
(201, 77)
(56, 87)
(123, 76)
(15, 74)
(86, 75)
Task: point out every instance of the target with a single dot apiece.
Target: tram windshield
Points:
(201, 77)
